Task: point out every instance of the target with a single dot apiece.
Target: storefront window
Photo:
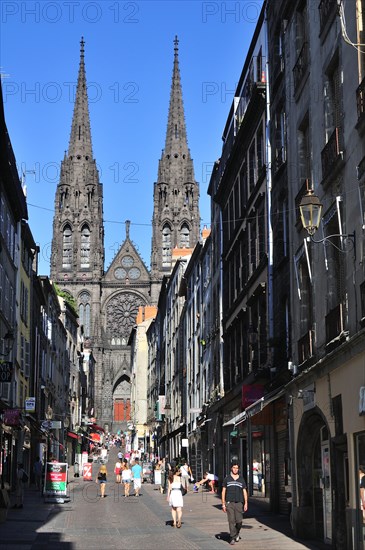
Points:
(360, 480)
(258, 467)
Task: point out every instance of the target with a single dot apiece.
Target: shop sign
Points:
(162, 404)
(56, 479)
(87, 472)
(12, 417)
(6, 370)
(30, 405)
(251, 393)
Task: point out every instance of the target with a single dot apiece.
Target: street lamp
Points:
(310, 214)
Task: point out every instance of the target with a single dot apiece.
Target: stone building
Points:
(317, 107)
(108, 301)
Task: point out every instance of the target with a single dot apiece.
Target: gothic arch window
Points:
(166, 246)
(85, 247)
(67, 247)
(84, 313)
(184, 236)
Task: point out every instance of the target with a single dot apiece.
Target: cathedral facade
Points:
(108, 301)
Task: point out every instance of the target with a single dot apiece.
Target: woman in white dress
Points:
(175, 497)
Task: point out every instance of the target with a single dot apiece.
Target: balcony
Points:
(331, 154)
(300, 67)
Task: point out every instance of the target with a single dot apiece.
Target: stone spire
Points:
(80, 139)
(175, 158)
(176, 218)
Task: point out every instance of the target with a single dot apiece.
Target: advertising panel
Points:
(55, 489)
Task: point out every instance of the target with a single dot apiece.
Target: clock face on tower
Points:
(134, 273)
(120, 273)
(127, 261)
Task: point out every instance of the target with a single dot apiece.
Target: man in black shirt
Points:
(234, 501)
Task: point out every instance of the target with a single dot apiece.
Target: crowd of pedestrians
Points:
(176, 479)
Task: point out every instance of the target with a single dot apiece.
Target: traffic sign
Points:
(6, 371)
(52, 424)
(47, 424)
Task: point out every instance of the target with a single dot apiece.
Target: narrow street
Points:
(88, 521)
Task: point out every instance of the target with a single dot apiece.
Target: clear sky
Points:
(129, 59)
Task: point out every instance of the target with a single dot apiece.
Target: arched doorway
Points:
(314, 478)
(121, 404)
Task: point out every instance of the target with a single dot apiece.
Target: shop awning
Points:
(96, 428)
(241, 417)
(72, 435)
(257, 407)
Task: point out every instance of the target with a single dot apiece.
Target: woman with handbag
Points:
(101, 479)
(175, 496)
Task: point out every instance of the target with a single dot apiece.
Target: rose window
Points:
(121, 314)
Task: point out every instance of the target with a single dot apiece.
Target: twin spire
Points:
(176, 146)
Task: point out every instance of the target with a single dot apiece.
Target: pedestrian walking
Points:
(137, 477)
(37, 471)
(102, 479)
(234, 501)
(117, 471)
(186, 474)
(175, 497)
(126, 479)
(19, 487)
(163, 476)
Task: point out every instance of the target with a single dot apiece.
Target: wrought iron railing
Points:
(301, 66)
(326, 9)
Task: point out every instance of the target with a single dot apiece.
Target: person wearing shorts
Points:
(126, 479)
(137, 477)
(101, 479)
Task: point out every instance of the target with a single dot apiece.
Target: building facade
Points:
(324, 151)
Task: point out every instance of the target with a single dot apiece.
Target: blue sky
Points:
(129, 58)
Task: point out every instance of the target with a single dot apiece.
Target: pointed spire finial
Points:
(127, 226)
(176, 46)
(80, 139)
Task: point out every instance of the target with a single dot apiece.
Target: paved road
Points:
(88, 522)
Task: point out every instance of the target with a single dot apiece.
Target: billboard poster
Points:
(56, 481)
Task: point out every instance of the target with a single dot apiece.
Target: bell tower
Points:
(77, 258)
(176, 217)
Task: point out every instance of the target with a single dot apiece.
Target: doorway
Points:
(314, 478)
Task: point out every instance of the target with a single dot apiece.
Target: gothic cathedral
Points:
(108, 302)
